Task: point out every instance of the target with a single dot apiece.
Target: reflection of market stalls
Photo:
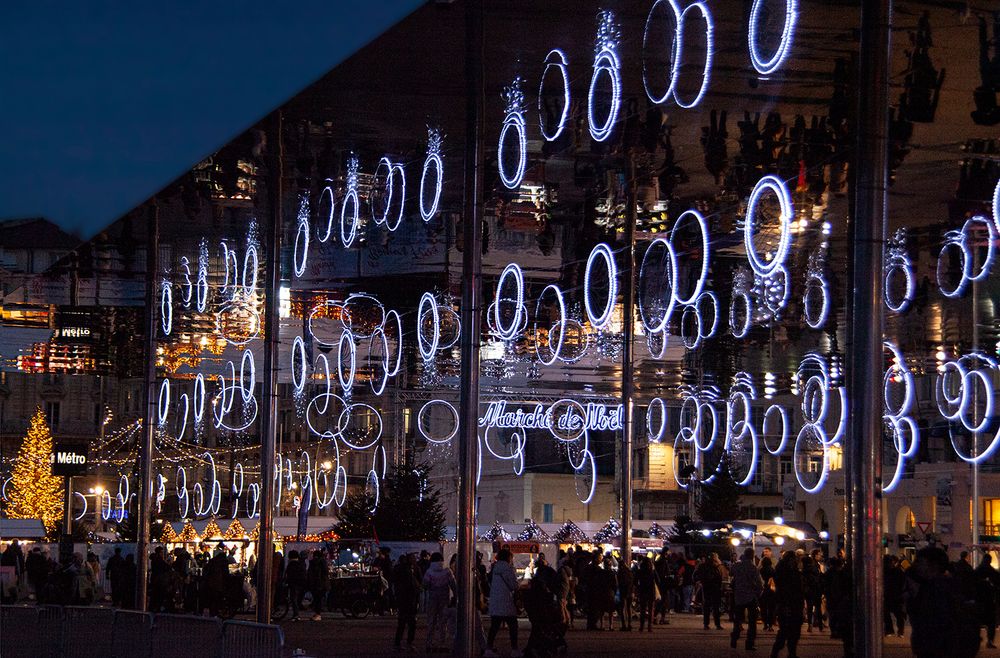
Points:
(195, 534)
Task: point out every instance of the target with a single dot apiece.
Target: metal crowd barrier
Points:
(93, 632)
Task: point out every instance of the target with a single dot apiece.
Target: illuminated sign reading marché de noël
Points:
(563, 415)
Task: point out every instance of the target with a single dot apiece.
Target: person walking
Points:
(626, 581)
(893, 584)
(406, 589)
(502, 609)
(647, 586)
(318, 577)
(296, 577)
(113, 568)
(709, 576)
(790, 600)
(987, 586)
(767, 601)
(439, 581)
(812, 579)
(747, 588)
(941, 621)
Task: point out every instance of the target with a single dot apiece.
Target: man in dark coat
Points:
(987, 586)
(406, 587)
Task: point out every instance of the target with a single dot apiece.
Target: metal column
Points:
(863, 448)
(269, 387)
(628, 385)
(472, 266)
(145, 484)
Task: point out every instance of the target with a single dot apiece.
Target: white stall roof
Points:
(21, 529)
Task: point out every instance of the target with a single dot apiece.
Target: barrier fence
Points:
(89, 632)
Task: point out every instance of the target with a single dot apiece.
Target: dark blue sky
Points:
(102, 103)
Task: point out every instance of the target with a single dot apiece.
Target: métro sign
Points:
(70, 459)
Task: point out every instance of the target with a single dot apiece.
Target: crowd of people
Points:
(947, 604)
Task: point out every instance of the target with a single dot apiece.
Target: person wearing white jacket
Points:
(502, 609)
(439, 583)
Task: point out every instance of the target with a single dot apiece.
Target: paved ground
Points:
(683, 638)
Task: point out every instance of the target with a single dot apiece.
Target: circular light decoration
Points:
(394, 170)
(326, 201)
(965, 241)
(768, 63)
(996, 206)
(298, 366)
(367, 437)
(320, 315)
(772, 412)
(817, 383)
(201, 298)
(555, 60)
(509, 331)
(166, 307)
(83, 512)
(898, 264)
(248, 375)
(300, 252)
(428, 309)
(706, 72)
(513, 121)
(969, 374)
(740, 303)
(559, 327)
(163, 403)
(187, 288)
(585, 478)
(364, 314)
(392, 319)
(378, 343)
(766, 267)
(601, 252)
(675, 43)
(703, 257)
(808, 443)
(816, 298)
(199, 398)
(346, 380)
(349, 232)
(657, 294)
(433, 162)
(605, 64)
(656, 420)
(516, 441)
(569, 425)
(431, 431)
(693, 316)
(897, 420)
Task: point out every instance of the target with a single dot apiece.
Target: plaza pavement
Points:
(683, 638)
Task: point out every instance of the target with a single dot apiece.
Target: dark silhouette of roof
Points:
(35, 233)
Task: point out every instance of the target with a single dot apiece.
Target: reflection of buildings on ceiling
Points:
(29, 247)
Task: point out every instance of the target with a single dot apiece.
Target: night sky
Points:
(104, 103)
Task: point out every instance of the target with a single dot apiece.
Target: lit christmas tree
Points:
(35, 493)
(570, 533)
(611, 530)
(532, 532)
(496, 533)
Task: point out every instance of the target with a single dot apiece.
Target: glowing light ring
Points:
(768, 65)
(314, 403)
(996, 206)
(784, 429)
(300, 252)
(248, 376)
(237, 489)
(963, 240)
(651, 340)
(346, 382)
(513, 121)
(825, 466)
(394, 169)
(183, 403)
(375, 461)
(742, 430)
(895, 427)
(433, 159)
(776, 185)
(428, 349)
(316, 309)
(705, 245)
(166, 307)
(347, 236)
(187, 288)
(967, 392)
(371, 480)
(379, 387)
(399, 342)
(588, 457)
(163, 404)
(657, 435)
(714, 325)
(327, 192)
(691, 340)
(84, 512)
(585, 445)
(510, 332)
(898, 369)
(180, 485)
(201, 298)
(603, 251)
(555, 59)
(298, 365)
(561, 324)
(900, 306)
(342, 425)
(517, 434)
(421, 423)
(706, 73)
(674, 51)
(250, 267)
(740, 330)
(584, 339)
(3, 488)
(106, 506)
(390, 190)
(555, 423)
(649, 322)
(814, 284)
(944, 400)
(605, 62)
(713, 413)
(683, 436)
(219, 411)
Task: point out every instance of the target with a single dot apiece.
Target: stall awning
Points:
(21, 529)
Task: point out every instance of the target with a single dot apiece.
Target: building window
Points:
(52, 414)
(547, 513)
(785, 466)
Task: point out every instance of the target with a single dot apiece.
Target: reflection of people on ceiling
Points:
(987, 113)
(713, 141)
(922, 85)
